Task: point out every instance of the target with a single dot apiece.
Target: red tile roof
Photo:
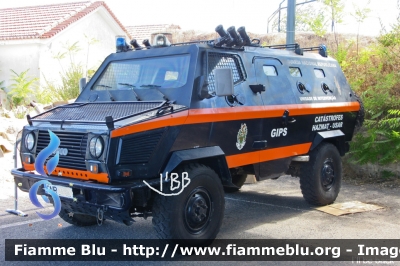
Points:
(144, 31)
(40, 22)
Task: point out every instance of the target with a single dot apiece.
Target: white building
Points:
(31, 37)
(142, 32)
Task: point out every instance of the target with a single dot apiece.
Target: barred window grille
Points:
(164, 71)
(118, 73)
(221, 60)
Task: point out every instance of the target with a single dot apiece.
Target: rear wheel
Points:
(77, 218)
(320, 178)
(194, 216)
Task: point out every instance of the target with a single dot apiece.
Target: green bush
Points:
(381, 142)
(373, 73)
(21, 90)
(69, 88)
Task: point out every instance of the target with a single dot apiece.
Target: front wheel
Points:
(195, 216)
(320, 178)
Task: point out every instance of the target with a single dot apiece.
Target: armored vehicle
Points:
(164, 130)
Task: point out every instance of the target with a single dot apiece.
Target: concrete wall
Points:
(18, 57)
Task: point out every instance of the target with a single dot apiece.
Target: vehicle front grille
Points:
(139, 149)
(75, 142)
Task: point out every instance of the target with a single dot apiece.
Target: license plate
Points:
(61, 191)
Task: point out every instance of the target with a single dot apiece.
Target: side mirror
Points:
(82, 84)
(223, 78)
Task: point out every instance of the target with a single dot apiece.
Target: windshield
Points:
(136, 74)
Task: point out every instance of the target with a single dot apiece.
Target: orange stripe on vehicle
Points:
(165, 121)
(243, 159)
(267, 155)
(254, 112)
(321, 108)
(233, 113)
(206, 115)
(77, 174)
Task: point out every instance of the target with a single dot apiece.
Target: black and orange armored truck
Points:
(163, 130)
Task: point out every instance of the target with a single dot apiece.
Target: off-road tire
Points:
(320, 178)
(77, 218)
(238, 180)
(195, 216)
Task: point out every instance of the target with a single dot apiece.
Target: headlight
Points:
(29, 141)
(96, 146)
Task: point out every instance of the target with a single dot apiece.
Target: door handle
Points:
(286, 119)
(259, 144)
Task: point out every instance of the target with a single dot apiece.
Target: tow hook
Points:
(100, 215)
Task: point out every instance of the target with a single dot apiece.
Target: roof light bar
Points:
(121, 45)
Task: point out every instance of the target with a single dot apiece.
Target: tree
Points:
(307, 19)
(360, 14)
(336, 13)
(70, 76)
(90, 41)
(311, 19)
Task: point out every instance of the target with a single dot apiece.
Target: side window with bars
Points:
(224, 60)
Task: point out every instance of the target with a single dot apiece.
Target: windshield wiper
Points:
(127, 84)
(133, 90)
(150, 86)
(155, 86)
(109, 93)
(164, 96)
(104, 86)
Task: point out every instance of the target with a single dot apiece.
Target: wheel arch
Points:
(335, 137)
(212, 157)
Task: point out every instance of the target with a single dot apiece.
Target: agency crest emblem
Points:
(241, 137)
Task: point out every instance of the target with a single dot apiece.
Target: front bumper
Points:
(115, 201)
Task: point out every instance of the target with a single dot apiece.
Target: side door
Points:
(237, 127)
(278, 126)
